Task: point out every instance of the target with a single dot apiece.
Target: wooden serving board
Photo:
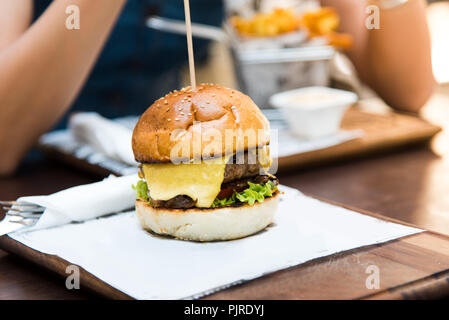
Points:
(412, 267)
(383, 132)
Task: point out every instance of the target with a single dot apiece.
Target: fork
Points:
(28, 214)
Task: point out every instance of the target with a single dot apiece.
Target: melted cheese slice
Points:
(201, 182)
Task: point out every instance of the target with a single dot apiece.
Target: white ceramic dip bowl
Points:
(313, 112)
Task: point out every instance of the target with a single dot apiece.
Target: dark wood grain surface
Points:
(410, 185)
(416, 261)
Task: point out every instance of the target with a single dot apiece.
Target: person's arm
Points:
(44, 66)
(394, 60)
(15, 18)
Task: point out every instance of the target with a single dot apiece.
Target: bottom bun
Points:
(208, 224)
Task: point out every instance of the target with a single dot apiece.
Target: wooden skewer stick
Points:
(190, 45)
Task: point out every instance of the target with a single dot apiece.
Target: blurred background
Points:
(223, 66)
(235, 63)
(287, 43)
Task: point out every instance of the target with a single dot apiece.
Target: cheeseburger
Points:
(204, 163)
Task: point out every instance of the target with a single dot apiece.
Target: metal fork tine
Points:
(25, 216)
(9, 203)
(15, 203)
(25, 223)
(25, 209)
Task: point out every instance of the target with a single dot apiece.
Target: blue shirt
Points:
(139, 65)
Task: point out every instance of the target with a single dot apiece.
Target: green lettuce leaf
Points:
(255, 192)
(141, 189)
(224, 202)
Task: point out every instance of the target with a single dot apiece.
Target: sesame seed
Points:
(168, 119)
(176, 119)
(165, 102)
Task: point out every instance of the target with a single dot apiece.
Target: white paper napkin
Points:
(79, 203)
(105, 136)
(116, 250)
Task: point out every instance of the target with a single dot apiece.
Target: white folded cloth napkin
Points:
(80, 203)
(105, 136)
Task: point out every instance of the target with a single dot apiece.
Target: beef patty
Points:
(238, 172)
(227, 189)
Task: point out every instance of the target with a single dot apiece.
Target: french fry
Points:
(340, 40)
(322, 22)
(267, 24)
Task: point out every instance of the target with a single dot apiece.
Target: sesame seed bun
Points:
(213, 109)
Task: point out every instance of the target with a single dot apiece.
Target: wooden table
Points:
(411, 185)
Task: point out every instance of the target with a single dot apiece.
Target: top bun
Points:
(185, 115)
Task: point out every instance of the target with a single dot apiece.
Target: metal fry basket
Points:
(265, 66)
